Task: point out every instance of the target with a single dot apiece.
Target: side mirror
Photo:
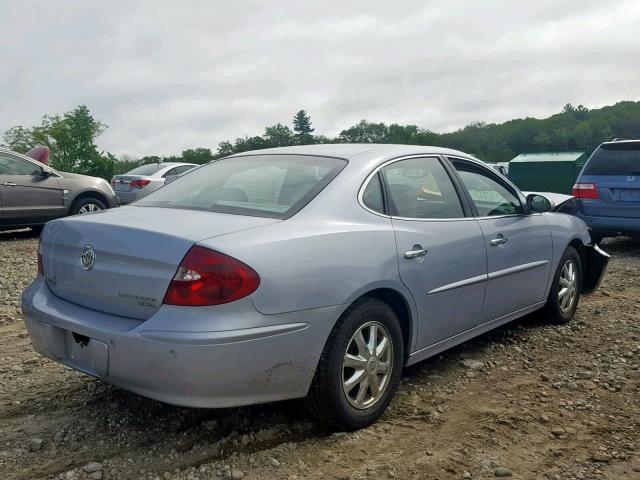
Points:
(538, 203)
(42, 172)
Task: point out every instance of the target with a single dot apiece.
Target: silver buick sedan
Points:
(313, 271)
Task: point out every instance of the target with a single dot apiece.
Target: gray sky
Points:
(169, 75)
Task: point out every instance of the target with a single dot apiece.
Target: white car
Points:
(143, 180)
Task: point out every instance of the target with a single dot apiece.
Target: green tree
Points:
(302, 128)
(197, 155)
(225, 149)
(71, 138)
(279, 135)
(366, 132)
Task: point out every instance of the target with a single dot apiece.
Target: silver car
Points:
(143, 180)
(31, 193)
(317, 271)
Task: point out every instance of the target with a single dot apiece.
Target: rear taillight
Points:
(586, 190)
(40, 267)
(206, 277)
(140, 183)
(113, 182)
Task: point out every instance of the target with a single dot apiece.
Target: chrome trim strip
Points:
(517, 269)
(522, 197)
(462, 283)
(365, 184)
(476, 161)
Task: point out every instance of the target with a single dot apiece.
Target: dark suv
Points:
(32, 193)
(608, 190)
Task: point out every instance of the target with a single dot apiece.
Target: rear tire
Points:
(86, 205)
(565, 290)
(352, 388)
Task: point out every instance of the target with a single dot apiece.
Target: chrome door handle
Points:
(498, 241)
(9, 184)
(417, 253)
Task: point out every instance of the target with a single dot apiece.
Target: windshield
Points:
(274, 186)
(615, 159)
(148, 169)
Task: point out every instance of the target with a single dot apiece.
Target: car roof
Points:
(167, 166)
(171, 164)
(619, 141)
(357, 151)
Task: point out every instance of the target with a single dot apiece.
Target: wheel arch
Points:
(89, 194)
(402, 305)
(579, 246)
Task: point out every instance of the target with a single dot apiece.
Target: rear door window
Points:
(421, 188)
(615, 159)
(169, 173)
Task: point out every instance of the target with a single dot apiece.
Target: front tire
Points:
(360, 367)
(565, 291)
(86, 205)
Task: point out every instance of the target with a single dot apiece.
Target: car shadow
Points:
(621, 246)
(20, 234)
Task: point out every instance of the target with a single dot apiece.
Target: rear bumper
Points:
(611, 225)
(274, 361)
(596, 261)
(127, 197)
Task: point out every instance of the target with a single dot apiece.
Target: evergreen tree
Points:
(302, 127)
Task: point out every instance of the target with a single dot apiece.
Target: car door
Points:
(29, 195)
(440, 247)
(519, 245)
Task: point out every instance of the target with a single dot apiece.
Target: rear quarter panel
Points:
(564, 229)
(313, 263)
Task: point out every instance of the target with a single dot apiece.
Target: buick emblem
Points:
(88, 257)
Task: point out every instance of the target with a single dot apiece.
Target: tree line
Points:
(72, 137)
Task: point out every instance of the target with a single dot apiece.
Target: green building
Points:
(553, 171)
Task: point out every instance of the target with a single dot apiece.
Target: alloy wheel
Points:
(367, 365)
(567, 286)
(89, 208)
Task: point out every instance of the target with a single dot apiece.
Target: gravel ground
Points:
(527, 401)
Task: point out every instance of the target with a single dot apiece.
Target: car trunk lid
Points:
(136, 252)
(122, 183)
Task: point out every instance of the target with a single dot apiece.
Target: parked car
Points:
(32, 193)
(316, 271)
(608, 189)
(143, 180)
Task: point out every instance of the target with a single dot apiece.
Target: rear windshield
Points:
(274, 186)
(615, 159)
(148, 169)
